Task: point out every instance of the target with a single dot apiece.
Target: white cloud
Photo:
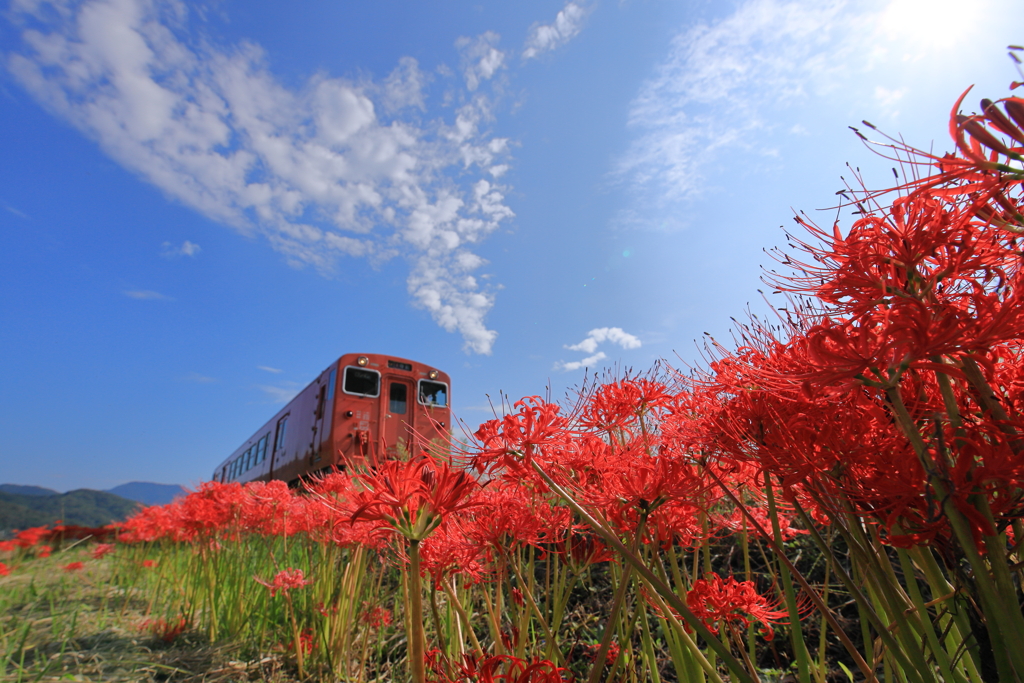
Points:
(480, 58)
(144, 294)
(267, 368)
(318, 170)
(585, 363)
(544, 37)
(168, 250)
(404, 86)
(615, 335)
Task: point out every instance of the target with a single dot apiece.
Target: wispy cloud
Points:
(726, 87)
(711, 90)
(480, 57)
(323, 171)
(16, 212)
(267, 368)
(566, 26)
(889, 99)
(198, 378)
(146, 294)
(279, 394)
(168, 250)
(596, 337)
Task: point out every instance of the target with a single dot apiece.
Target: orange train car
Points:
(362, 408)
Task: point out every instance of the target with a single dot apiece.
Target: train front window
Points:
(362, 382)
(399, 398)
(433, 393)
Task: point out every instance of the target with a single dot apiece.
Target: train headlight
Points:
(362, 361)
(432, 374)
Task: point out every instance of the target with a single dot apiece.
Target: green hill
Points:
(27, 490)
(82, 507)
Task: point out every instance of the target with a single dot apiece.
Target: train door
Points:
(318, 423)
(398, 429)
(278, 455)
(323, 419)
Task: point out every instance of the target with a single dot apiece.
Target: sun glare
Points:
(930, 24)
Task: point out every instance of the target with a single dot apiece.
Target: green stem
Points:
(796, 632)
(1003, 628)
(659, 586)
(416, 635)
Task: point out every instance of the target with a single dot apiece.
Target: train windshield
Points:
(433, 393)
(362, 382)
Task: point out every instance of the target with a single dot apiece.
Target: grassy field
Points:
(90, 625)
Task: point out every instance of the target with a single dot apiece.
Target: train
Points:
(362, 409)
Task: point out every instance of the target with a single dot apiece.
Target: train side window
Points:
(247, 463)
(330, 385)
(361, 382)
(281, 425)
(433, 393)
(399, 398)
(261, 449)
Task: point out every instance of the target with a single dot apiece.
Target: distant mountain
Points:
(147, 493)
(20, 490)
(83, 507)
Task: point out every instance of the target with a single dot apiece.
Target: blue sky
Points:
(203, 204)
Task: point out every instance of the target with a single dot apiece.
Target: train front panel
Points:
(389, 407)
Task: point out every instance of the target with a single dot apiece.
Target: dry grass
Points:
(60, 626)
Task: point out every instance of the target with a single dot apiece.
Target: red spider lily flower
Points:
(413, 497)
(271, 509)
(452, 550)
(377, 617)
(634, 481)
(164, 629)
(4, 569)
(610, 657)
(306, 641)
(618, 405)
(102, 550)
(149, 564)
(723, 601)
(44, 551)
(514, 440)
(582, 548)
(677, 523)
(509, 514)
(74, 566)
(32, 536)
(500, 668)
(739, 521)
(284, 581)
